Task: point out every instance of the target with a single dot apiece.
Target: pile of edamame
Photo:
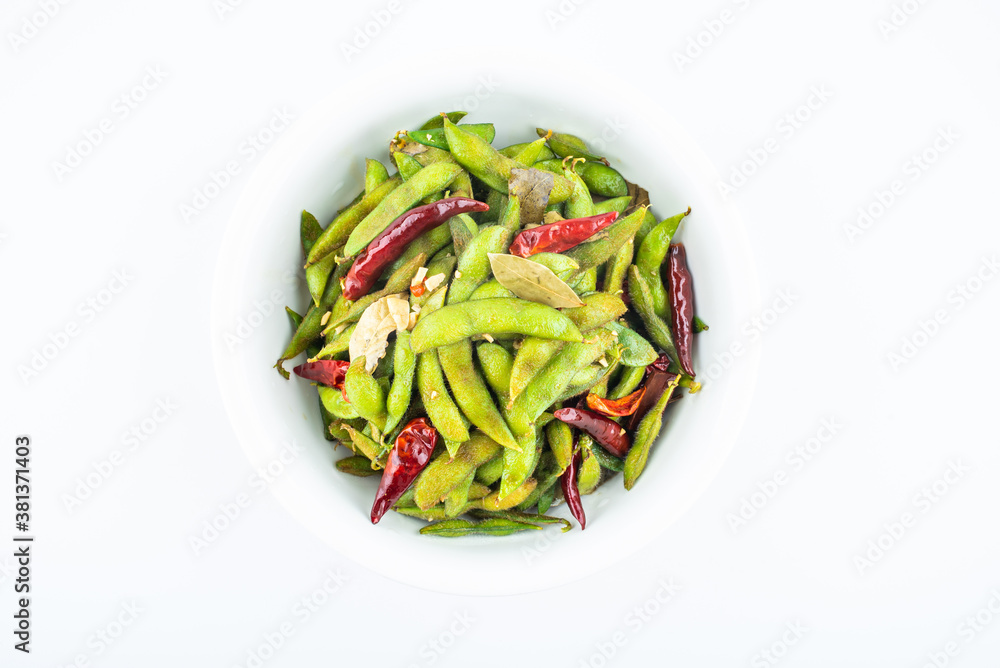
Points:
(494, 331)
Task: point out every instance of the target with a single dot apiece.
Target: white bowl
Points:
(318, 165)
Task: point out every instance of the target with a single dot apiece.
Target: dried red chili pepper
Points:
(657, 379)
(627, 405)
(681, 306)
(560, 236)
(409, 455)
(604, 430)
(572, 493)
(325, 372)
(391, 243)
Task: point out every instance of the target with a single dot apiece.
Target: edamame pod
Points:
(427, 181)
(455, 322)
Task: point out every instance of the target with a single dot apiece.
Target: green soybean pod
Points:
(457, 500)
(309, 231)
(437, 120)
(648, 223)
(356, 465)
(333, 401)
(336, 344)
(337, 232)
(461, 186)
(490, 472)
(496, 364)
(407, 165)
(366, 445)
(435, 137)
(636, 351)
(427, 181)
(510, 218)
(579, 204)
(546, 387)
(491, 290)
(618, 204)
(474, 263)
(528, 156)
(603, 180)
(516, 149)
(564, 144)
(309, 330)
(561, 265)
(645, 436)
(589, 475)
(629, 382)
(617, 268)
(488, 165)
(318, 274)
(596, 253)
(657, 329)
(531, 358)
(455, 322)
(559, 436)
(649, 259)
(492, 527)
(445, 472)
(471, 394)
(599, 308)
(365, 393)
(518, 465)
(463, 228)
(375, 175)
(295, 319)
(497, 202)
(404, 365)
(440, 407)
(586, 281)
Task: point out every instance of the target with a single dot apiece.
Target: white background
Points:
(900, 426)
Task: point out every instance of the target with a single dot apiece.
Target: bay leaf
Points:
(532, 281)
(532, 188)
(640, 198)
(370, 337)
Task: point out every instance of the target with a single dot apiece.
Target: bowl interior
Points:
(318, 165)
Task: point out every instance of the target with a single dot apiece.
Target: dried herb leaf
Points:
(640, 198)
(532, 281)
(371, 337)
(532, 188)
